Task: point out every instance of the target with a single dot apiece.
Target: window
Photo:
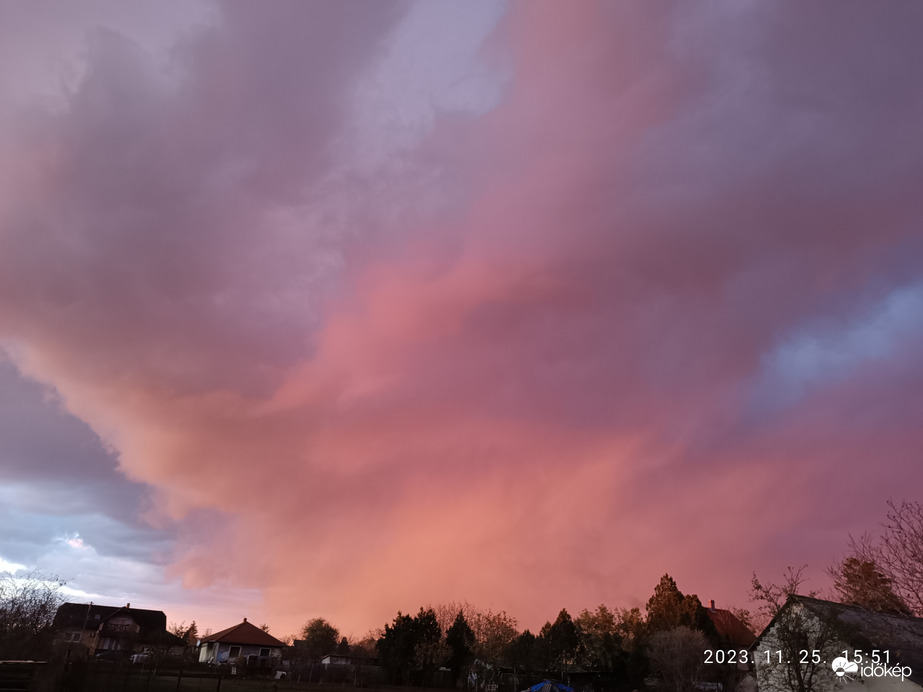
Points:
(234, 652)
(264, 653)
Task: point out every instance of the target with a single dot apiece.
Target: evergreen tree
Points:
(860, 582)
(460, 640)
(562, 641)
(411, 647)
(668, 608)
(522, 653)
(396, 648)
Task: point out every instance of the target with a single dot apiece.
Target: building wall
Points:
(85, 638)
(220, 652)
(771, 675)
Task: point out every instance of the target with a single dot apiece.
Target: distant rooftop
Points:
(91, 615)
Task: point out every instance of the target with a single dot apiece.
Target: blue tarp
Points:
(549, 686)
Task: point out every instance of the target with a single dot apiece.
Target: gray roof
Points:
(90, 615)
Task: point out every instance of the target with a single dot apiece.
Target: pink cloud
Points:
(547, 390)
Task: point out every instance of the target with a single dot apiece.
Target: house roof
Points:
(730, 629)
(900, 635)
(244, 633)
(91, 615)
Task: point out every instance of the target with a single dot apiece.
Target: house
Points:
(102, 628)
(839, 645)
(243, 640)
(732, 633)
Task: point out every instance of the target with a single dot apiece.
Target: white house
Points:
(243, 640)
(822, 645)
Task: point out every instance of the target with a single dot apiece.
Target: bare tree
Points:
(770, 597)
(493, 633)
(898, 552)
(28, 605)
(678, 656)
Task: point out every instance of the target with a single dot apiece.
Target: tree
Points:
(676, 654)
(447, 612)
(770, 597)
(320, 638)
(429, 650)
(396, 648)
(600, 645)
(27, 608)
(632, 630)
(668, 609)
(630, 626)
(493, 632)
(898, 552)
(859, 582)
(366, 647)
(192, 634)
(562, 641)
(459, 639)
(521, 653)
(188, 634)
(411, 647)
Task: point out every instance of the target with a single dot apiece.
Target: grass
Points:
(128, 680)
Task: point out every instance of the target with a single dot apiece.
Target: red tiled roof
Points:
(730, 629)
(244, 633)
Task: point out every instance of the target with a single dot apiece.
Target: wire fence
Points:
(117, 676)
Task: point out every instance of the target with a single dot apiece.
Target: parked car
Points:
(112, 655)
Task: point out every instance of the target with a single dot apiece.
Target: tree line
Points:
(882, 572)
(475, 645)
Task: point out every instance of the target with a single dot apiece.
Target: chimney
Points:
(128, 605)
(245, 619)
(711, 604)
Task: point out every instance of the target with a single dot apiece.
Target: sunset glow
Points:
(339, 309)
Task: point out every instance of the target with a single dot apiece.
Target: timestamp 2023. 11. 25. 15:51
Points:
(802, 656)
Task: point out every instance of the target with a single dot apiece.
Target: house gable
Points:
(844, 628)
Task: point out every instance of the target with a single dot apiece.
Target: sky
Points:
(319, 309)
